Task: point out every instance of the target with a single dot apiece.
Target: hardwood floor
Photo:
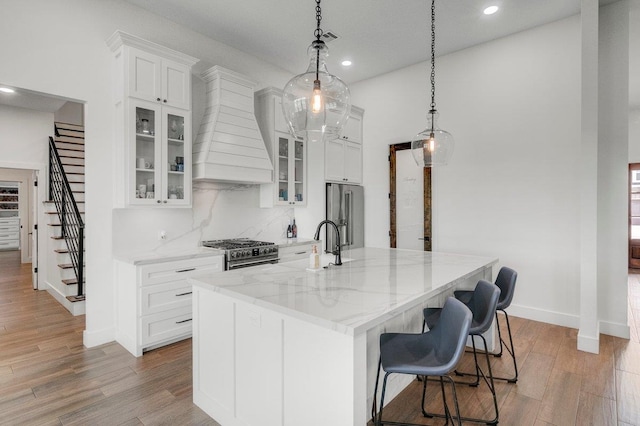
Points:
(47, 377)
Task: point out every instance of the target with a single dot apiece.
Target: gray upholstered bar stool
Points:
(434, 353)
(506, 280)
(483, 303)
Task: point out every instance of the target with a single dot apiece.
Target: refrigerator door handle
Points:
(348, 231)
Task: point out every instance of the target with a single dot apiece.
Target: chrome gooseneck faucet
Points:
(338, 260)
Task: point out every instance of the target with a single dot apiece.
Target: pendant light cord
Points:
(318, 33)
(432, 111)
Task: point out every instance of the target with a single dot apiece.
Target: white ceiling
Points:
(379, 36)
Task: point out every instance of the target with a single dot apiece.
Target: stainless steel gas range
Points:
(242, 252)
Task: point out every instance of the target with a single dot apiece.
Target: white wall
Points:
(511, 189)
(613, 158)
(61, 50)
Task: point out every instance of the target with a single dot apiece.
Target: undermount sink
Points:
(327, 258)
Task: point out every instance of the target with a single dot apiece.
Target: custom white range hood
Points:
(229, 146)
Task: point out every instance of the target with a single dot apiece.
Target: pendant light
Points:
(316, 104)
(432, 146)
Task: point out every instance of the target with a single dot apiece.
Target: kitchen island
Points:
(281, 345)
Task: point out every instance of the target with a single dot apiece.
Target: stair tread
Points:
(65, 125)
(74, 299)
(66, 265)
(70, 139)
(74, 146)
(64, 251)
(73, 281)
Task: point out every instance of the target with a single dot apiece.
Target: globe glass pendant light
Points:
(432, 146)
(316, 104)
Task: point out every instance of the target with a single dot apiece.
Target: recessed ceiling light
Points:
(491, 10)
(6, 90)
(346, 63)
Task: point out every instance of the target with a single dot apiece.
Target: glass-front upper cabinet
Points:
(290, 169)
(162, 159)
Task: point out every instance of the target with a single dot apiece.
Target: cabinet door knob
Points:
(158, 99)
(165, 101)
(158, 201)
(165, 201)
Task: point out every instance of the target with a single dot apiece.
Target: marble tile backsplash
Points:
(219, 211)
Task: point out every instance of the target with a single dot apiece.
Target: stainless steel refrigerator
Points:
(345, 207)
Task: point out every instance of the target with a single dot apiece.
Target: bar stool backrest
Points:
(506, 280)
(483, 306)
(451, 333)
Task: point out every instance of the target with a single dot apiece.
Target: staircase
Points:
(63, 283)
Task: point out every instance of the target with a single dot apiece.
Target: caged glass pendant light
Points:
(316, 104)
(432, 146)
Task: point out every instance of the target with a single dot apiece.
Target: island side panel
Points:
(324, 376)
(254, 367)
(214, 367)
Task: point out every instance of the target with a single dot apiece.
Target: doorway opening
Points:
(19, 215)
(409, 200)
(634, 217)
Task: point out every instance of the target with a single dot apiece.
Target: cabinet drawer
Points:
(4, 229)
(297, 252)
(8, 244)
(8, 221)
(166, 325)
(9, 235)
(162, 297)
(178, 270)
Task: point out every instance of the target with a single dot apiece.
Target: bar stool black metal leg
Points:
(499, 354)
(510, 349)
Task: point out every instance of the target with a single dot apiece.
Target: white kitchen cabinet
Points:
(154, 301)
(343, 161)
(343, 156)
(153, 112)
(9, 233)
(155, 78)
(288, 154)
(297, 250)
(159, 157)
(353, 128)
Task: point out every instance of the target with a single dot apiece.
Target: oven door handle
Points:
(254, 262)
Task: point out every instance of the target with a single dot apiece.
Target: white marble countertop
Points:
(352, 298)
(145, 258)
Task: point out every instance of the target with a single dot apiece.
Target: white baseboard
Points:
(98, 337)
(615, 329)
(567, 320)
(542, 315)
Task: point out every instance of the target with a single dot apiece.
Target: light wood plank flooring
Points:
(47, 377)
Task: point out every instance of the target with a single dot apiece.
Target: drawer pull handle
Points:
(186, 270)
(184, 294)
(183, 321)
(301, 252)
